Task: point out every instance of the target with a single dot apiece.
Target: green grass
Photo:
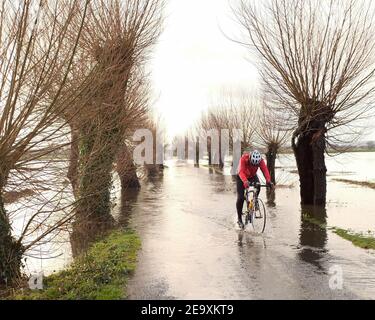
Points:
(334, 151)
(358, 239)
(314, 221)
(100, 274)
(357, 183)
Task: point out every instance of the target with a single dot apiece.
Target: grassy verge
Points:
(100, 274)
(358, 183)
(358, 239)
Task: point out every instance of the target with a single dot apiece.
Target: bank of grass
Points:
(99, 274)
(357, 183)
(358, 239)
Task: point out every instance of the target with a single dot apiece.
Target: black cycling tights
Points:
(241, 194)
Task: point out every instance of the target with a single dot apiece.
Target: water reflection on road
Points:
(192, 250)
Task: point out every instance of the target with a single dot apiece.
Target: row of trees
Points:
(316, 62)
(72, 81)
(252, 115)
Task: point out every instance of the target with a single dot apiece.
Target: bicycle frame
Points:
(252, 203)
(252, 190)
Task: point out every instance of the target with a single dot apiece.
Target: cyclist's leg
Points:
(240, 197)
(257, 192)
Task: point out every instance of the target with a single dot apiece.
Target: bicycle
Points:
(255, 212)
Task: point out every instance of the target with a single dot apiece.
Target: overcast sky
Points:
(194, 60)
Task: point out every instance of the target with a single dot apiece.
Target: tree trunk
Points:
(221, 160)
(126, 169)
(271, 198)
(304, 156)
(73, 160)
(155, 168)
(216, 156)
(209, 151)
(186, 148)
(93, 210)
(130, 179)
(309, 152)
(10, 251)
(319, 171)
(196, 163)
(271, 161)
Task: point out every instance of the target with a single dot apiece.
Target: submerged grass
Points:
(314, 221)
(99, 274)
(358, 239)
(357, 183)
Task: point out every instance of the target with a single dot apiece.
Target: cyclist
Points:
(247, 175)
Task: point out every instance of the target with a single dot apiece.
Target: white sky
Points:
(194, 59)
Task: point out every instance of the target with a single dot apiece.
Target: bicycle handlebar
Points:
(258, 185)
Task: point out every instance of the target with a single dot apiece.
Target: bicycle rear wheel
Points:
(259, 218)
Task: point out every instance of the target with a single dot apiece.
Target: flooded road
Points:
(191, 248)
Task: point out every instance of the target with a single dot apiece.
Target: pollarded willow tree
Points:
(239, 108)
(34, 52)
(233, 110)
(116, 41)
(316, 59)
(244, 106)
(212, 122)
(138, 116)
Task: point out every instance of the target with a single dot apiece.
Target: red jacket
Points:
(246, 170)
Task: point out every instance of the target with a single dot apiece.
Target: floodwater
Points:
(191, 248)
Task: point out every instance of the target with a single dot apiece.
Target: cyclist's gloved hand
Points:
(246, 184)
(270, 185)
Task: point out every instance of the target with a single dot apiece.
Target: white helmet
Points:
(255, 158)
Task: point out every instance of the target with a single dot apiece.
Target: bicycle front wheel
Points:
(259, 217)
